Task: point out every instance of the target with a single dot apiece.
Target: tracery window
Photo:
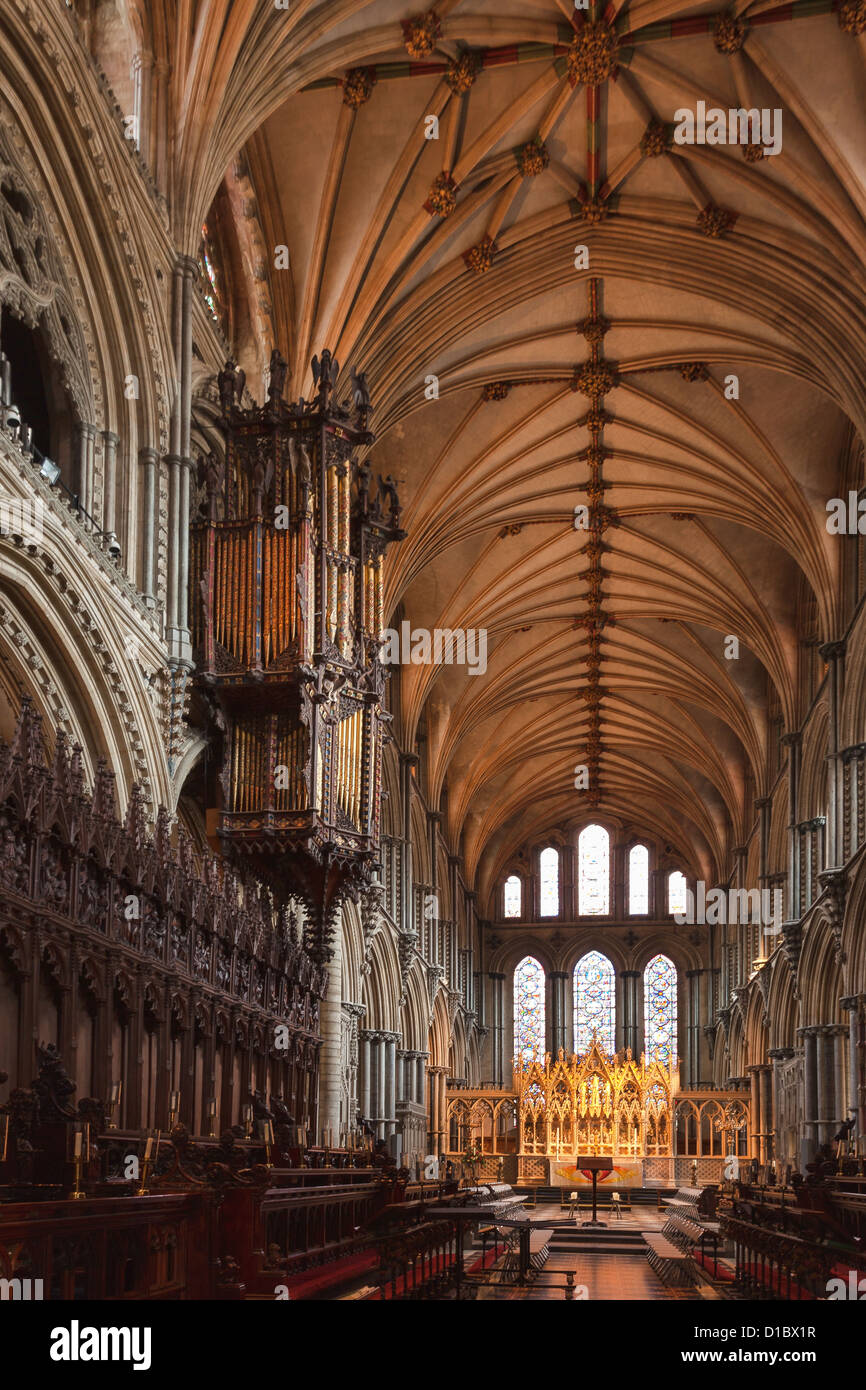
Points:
(660, 1010)
(549, 874)
(594, 1003)
(528, 1010)
(638, 880)
(676, 892)
(512, 896)
(213, 289)
(593, 872)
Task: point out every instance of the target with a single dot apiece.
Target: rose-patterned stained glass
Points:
(594, 1004)
(512, 896)
(593, 872)
(638, 880)
(676, 892)
(548, 864)
(529, 1010)
(660, 1010)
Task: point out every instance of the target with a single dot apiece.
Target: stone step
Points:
(639, 1196)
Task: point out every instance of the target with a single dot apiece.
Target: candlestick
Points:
(80, 1156)
(114, 1094)
(76, 1194)
(247, 1114)
(151, 1154)
(211, 1113)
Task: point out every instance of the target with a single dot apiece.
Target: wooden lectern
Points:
(595, 1165)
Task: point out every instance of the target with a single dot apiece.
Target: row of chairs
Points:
(581, 1199)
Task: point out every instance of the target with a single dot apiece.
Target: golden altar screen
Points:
(594, 1104)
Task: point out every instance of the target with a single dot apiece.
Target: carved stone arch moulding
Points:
(12, 947)
(124, 990)
(54, 964)
(90, 979)
(37, 282)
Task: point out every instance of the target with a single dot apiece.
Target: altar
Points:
(626, 1172)
(564, 1107)
(593, 1104)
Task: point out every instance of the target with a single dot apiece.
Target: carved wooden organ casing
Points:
(287, 586)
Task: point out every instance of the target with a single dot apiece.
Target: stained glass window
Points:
(512, 896)
(549, 866)
(660, 1009)
(638, 879)
(212, 287)
(529, 1010)
(594, 1003)
(676, 892)
(593, 872)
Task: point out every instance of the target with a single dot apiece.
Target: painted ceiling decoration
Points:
(488, 196)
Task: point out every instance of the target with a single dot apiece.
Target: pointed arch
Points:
(660, 1009)
(593, 872)
(529, 1012)
(594, 982)
(638, 881)
(548, 879)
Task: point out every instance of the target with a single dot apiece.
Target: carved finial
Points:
(104, 795)
(135, 823)
(27, 740)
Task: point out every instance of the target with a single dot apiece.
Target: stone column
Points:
(431, 1111)
(179, 462)
(825, 1083)
(402, 1062)
(436, 1077)
(693, 1025)
(558, 983)
(381, 1098)
(109, 472)
(855, 1006)
(833, 653)
(792, 743)
(86, 466)
(420, 1075)
(838, 1041)
(366, 1060)
(810, 1094)
(330, 1060)
(632, 1013)
(777, 1055)
(755, 1112)
(142, 78)
(390, 1043)
(148, 459)
(767, 1127)
(497, 1031)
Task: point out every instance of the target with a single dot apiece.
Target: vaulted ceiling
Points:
(605, 384)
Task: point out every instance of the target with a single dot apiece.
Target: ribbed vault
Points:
(605, 385)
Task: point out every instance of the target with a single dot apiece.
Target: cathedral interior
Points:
(432, 650)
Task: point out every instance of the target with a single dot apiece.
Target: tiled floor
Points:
(606, 1277)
